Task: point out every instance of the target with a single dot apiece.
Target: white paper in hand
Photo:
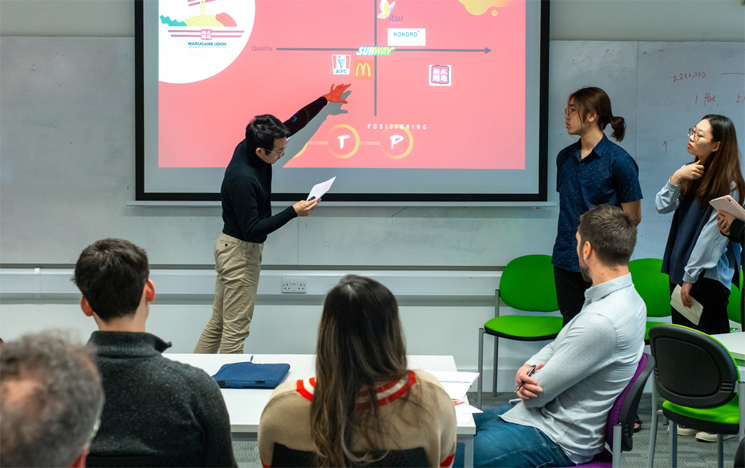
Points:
(320, 190)
(692, 313)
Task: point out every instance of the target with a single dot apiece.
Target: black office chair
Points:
(698, 378)
(186, 461)
(284, 457)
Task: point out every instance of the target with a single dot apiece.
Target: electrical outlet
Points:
(293, 285)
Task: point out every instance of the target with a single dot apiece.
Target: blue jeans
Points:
(502, 444)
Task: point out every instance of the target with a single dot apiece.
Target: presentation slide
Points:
(444, 96)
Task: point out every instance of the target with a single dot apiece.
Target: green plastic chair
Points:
(654, 288)
(527, 284)
(699, 380)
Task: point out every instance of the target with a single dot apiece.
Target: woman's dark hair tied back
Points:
(618, 124)
(596, 100)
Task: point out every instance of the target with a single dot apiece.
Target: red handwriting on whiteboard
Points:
(687, 76)
(709, 97)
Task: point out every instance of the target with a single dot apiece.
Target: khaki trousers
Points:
(238, 266)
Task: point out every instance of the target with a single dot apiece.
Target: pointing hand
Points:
(334, 95)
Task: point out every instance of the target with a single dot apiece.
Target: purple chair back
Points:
(615, 412)
(605, 459)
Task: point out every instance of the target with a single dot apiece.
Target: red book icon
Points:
(440, 74)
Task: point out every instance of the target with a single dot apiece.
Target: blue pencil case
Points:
(251, 375)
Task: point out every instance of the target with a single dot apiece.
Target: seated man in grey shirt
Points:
(562, 416)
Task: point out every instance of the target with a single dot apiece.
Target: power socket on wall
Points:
(293, 285)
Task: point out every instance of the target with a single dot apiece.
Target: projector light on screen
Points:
(444, 104)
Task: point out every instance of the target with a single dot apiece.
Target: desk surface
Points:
(735, 344)
(246, 405)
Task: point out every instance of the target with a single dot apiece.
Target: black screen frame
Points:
(541, 196)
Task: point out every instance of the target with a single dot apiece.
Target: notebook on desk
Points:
(251, 375)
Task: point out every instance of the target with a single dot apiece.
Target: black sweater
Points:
(156, 406)
(247, 187)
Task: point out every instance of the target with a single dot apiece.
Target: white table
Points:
(246, 405)
(735, 344)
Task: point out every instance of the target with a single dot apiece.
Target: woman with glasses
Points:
(593, 171)
(697, 258)
(364, 401)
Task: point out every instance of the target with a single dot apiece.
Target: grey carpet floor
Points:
(691, 453)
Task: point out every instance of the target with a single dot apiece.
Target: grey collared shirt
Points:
(586, 367)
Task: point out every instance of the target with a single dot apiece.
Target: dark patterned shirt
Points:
(606, 176)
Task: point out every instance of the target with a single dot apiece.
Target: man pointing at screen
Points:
(247, 215)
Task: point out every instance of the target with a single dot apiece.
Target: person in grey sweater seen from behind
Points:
(158, 412)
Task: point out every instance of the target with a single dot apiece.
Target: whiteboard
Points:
(67, 162)
(679, 83)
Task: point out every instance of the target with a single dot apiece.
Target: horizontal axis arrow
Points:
(313, 48)
(485, 50)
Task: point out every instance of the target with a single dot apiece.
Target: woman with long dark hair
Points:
(363, 401)
(697, 257)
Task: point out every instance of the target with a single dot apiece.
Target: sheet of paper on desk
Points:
(456, 384)
(466, 409)
(320, 190)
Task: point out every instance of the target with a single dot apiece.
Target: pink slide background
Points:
(476, 123)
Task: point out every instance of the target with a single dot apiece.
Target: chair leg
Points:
(741, 393)
(720, 451)
(497, 300)
(673, 444)
(496, 363)
(616, 460)
(653, 429)
(481, 366)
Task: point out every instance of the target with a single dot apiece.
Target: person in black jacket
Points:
(161, 410)
(735, 230)
(247, 215)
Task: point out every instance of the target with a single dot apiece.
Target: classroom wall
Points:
(571, 20)
(425, 237)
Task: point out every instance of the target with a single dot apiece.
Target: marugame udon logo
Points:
(200, 38)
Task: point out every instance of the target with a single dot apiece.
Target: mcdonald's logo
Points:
(363, 69)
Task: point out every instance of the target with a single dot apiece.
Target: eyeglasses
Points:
(694, 137)
(280, 153)
(568, 112)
